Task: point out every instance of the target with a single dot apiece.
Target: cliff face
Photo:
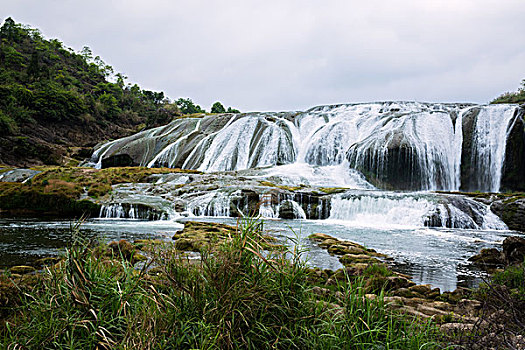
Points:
(513, 176)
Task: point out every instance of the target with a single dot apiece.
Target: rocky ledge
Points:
(513, 253)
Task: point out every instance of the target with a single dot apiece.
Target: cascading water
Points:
(395, 145)
(130, 211)
(489, 143)
(390, 209)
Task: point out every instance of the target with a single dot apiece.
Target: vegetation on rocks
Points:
(63, 191)
(512, 97)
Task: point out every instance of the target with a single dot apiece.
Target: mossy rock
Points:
(327, 242)
(348, 259)
(333, 190)
(185, 244)
(406, 293)
(319, 237)
(423, 289)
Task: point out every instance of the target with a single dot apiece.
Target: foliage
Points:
(501, 322)
(43, 82)
(513, 277)
(232, 110)
(218, 108)
(237, 297)
(186, 106)
(512, 97)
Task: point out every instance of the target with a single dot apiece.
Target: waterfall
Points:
(210, 204)
(489, 143)
(388, 209)
(391, 145)
(130, 211)
(265, 207)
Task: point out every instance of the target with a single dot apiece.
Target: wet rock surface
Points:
(403, 295)
(512, 253)
(511, 211)
(18, 175)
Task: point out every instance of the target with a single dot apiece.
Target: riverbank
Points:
(244, 292)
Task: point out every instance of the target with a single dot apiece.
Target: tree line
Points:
(42, 81)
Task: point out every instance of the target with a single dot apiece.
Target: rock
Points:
(185, 244)
(361, 258)
(338, 249)
(247, 203)
(319, 237)
(356, 251)
(468, 307)
(355, 269)
(406, 293)
(390, 283)
(422, 289)
(328, 242)
(455, 327)
(513, 169)
(18, 175)
(118, 160)
(427, 309)
(434, 294)
(514, 250)
(456, 295)
(122, 247)
(323, 292)
(21, 269)
(286, 210)
(411, 311)
(396, 282)
(511, 211)
(442, 305)
(488, 257)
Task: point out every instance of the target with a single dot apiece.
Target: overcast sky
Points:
(292, 55)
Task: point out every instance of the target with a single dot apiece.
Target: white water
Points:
(315, 145)
(406, 210)
(324, 147)
(117, 211)
(492, 126)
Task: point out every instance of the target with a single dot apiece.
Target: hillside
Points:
(55, 104)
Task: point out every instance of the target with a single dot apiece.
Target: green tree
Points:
(232, 110)
(218, 108)
(186, 106)
(33, 69)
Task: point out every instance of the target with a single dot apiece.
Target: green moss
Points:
(333, 190)
(282, 187)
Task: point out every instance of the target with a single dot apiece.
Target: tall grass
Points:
(238, 296)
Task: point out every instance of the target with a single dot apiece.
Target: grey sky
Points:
(288, 55)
